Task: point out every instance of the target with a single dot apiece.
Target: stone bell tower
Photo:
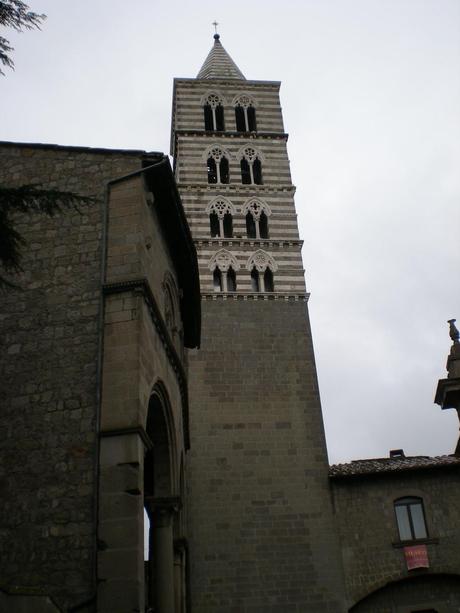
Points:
(262, 534)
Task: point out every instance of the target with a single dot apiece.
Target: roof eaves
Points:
(389, 466)
(81, 149)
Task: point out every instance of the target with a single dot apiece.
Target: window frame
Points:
(251, 165)
(256, 213)
(217, 166)
(245, 113)
(406, 502)
(214, 112)
(221, 214)
(224, 267)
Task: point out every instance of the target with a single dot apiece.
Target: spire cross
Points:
(215, 24)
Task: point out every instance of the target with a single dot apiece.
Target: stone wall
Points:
(140, 355)
(372, 553)
(49, 332)
(261, 529)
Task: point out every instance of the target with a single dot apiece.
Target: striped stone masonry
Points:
(191, 145)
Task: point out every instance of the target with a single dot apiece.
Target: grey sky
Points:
(371, 99)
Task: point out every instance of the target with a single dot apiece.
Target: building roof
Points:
(79, 149)
(392, 465)
(218, 64)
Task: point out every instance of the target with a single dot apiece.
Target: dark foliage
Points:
(15, 14)
(28, 199)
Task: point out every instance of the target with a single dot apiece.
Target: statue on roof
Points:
(453, 331)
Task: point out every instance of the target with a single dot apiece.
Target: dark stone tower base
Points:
(261, 527)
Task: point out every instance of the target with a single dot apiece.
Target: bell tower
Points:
(262, 534)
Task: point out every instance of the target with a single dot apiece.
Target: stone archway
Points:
(425, 592)
(161, 503)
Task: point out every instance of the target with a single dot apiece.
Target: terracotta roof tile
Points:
(391, 465)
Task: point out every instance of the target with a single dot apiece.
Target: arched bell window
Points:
(217, 279)
(262, 266)
(213, 110)
(268, 281)
(245, 114)
(262, 281)
(255, 285)
(231, 280)
(221, 212)
(224, 266)
(251, 166)
(250, 226)
(214, 223)
(217, 166)
(257, 214)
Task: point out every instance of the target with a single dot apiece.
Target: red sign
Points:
(416, 557)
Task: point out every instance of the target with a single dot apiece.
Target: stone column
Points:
(180, 560)
(120, 527)
(162, 514)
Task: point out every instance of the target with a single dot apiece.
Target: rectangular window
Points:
(410, 518)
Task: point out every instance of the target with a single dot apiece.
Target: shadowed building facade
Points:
(93, 387)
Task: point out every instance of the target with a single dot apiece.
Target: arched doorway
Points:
(161, 504)
(424, 593)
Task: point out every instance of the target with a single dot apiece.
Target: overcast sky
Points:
(371, 99)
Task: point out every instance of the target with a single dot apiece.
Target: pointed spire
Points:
(218, 64)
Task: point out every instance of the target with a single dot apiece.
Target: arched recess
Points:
(171, 309)
(213, 97)
(421, 592)
(262, 266)
(161, 501)
(221, 214)
(261, 260)
(160, 481)
(245, 112)
(249, 152)
(244, 99)
(224, 265)
(251, 165)
(217, 160)
(256, 213)
(213, 108)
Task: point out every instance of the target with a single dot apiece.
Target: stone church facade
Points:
(163, 447)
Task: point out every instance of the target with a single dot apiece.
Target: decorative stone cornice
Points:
(234, 83)
(251, 242)
(142, 287)
(220, 188)
(303, 297)
(284, 136)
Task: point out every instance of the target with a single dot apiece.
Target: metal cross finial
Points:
(215, 24)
